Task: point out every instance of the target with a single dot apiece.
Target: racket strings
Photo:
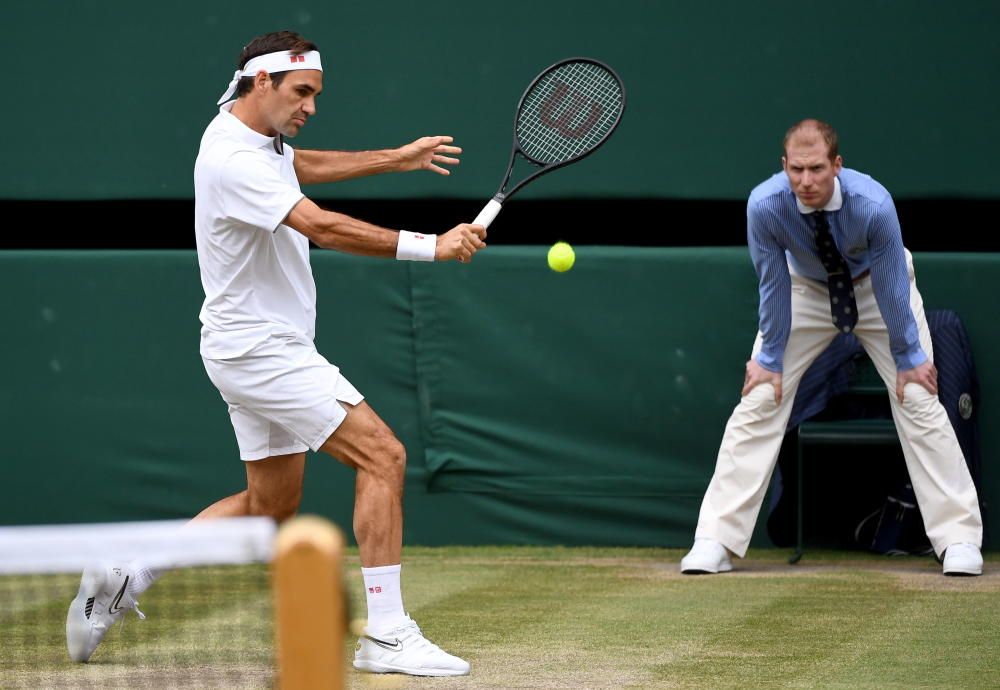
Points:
(568, 112)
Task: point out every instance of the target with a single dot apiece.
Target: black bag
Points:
(897, 528)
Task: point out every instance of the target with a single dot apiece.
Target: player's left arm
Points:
(427, 153)
(891, 285)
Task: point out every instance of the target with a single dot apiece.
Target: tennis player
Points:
(253, 226)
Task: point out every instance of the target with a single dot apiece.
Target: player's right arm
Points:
(332, 230)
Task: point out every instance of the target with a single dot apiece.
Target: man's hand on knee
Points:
(925, 375)
(756, 375)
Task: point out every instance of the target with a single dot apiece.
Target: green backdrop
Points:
(108, 98)
(578, 408)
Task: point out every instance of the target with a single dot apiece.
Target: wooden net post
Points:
(309, 605)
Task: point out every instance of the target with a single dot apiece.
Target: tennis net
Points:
(209, 619)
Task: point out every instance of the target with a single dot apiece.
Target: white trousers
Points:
(750, 445)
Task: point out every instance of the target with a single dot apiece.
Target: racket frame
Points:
(492, 208)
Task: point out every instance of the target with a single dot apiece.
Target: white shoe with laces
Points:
(962, 559)
(103, 599)
(406, 650)
(707, 556)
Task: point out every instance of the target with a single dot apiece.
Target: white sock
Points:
(385, 599)
(141, 578)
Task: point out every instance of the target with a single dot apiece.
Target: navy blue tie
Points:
(843, 308)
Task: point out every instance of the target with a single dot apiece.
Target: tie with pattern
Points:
(843, 308)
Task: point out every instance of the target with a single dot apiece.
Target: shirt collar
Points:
(244, 133)
(834, 204)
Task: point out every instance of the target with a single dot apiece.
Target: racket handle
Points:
(488, 213)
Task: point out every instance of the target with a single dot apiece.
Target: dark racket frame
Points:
(493, 207)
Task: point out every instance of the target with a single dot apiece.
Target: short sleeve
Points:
(253, 192)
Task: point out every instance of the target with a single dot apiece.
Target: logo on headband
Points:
(298, 58)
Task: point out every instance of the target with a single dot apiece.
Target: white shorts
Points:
(284, 397)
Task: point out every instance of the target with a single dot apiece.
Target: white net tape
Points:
(159, 544)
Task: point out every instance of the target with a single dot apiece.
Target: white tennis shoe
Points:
(406, 650)
(707, 556)
(962, 559)
(103, 599)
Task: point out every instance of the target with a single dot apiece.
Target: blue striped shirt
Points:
(865, 230)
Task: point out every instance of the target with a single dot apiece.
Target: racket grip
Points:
(488, 213)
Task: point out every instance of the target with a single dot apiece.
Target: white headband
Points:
(285, 61)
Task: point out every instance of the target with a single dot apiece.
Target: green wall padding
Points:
(580, 408)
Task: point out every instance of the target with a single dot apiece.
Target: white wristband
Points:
(415, 246)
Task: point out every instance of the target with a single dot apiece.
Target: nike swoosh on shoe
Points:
(392, 647)
(115, 608)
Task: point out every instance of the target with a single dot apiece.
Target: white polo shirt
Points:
(255, 271)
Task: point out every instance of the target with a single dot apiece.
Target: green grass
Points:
(530, 617)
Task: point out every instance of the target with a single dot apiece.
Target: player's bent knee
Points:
(395, 457)
(388, 458)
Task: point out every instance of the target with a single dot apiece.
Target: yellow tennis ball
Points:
(561, 257)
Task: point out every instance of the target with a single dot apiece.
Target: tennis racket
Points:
(565, 114)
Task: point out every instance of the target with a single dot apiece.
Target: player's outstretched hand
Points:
(428, 153)
(460, 243)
